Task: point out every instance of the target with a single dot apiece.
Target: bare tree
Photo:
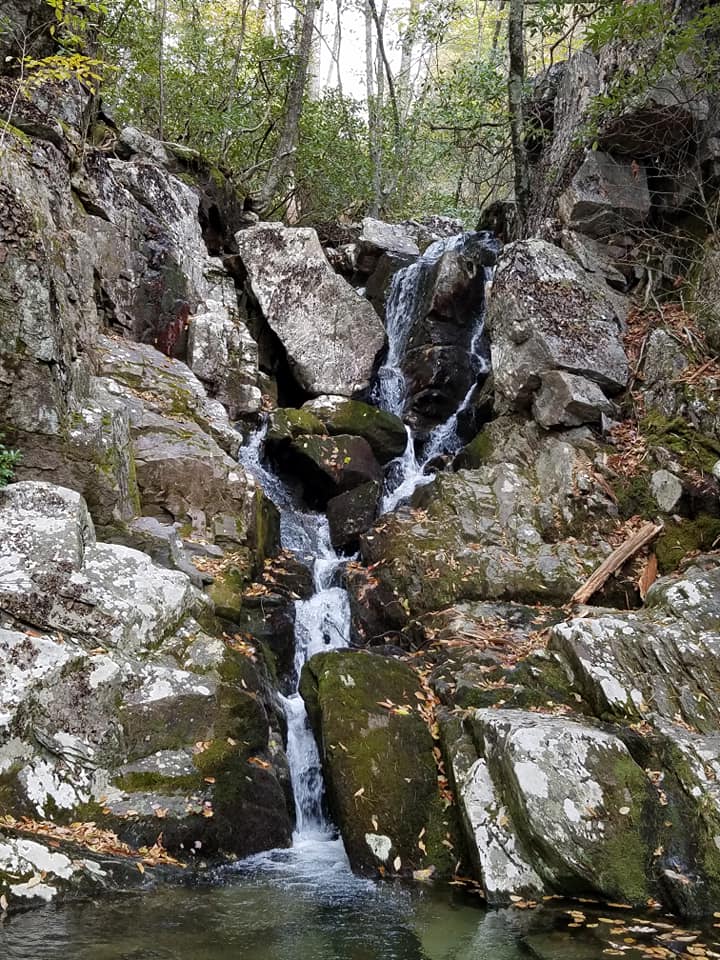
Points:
(516, 79)
(282, 167)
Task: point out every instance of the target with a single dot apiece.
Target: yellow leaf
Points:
(360, 792)
(140, 867)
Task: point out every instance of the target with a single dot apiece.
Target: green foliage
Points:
(9, 459)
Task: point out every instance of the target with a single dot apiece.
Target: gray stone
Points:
(387, 237)
(605, 196)
(569, 401)
(546, 313)
(667, 490)
(352, 513)
(224, 356)
(331, 334)
(54, 574)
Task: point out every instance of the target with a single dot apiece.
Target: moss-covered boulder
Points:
(384, 431)
(528, 525)
(288, 423)
(327, 466)
(380, 771)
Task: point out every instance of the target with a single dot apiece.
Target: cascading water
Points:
(321, 623)
(405, 300)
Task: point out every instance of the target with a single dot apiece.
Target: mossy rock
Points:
(288, 423)
(678, 540)
(384, 431)
(475, 453)
(694, 450)
(381, 777)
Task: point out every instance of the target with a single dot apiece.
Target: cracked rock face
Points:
(331, 334)
(547, 314)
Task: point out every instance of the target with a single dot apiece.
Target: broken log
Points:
(616, 560)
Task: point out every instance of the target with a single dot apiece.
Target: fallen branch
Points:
(616, 560)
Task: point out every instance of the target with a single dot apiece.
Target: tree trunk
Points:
(161, 14)
(374, 115)
(283, 165)
(314, 78)
(516, 79)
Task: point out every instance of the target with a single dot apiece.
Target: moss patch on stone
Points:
(680, 539)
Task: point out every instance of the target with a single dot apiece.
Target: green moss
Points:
(289, 424)
(477, 452)
(680, 539)
(635, 498)
(21, 136)
(693, 449)
(147, 781)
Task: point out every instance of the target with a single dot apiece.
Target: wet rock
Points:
(328, 466)
(569, 401)
(385, 432)
(378, 762)
(330, 333)
(352, 513)
(606, 196)
(546, 314)
(446, 296)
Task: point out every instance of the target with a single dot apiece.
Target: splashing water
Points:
(322, 623)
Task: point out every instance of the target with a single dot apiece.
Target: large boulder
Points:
(380, 772)
(509, 529)
(385, 432)
(547, 314)
(552, 804)
(331, 334)
(605, 196)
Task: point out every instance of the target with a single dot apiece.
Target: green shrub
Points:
(9, 459)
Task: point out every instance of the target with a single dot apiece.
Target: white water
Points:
(321, 623)
(407, 290)
(409, 472)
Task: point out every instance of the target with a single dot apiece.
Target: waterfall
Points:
(405, 299)
(322, 623)
(409, 287)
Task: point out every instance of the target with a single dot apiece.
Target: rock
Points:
(289, 424)
(328, 466)
(667, 490)
(705, 293)
(161, 542)
(556, 804)
(614, 656)
(385, 432)
(382, 785)
(545, 313)
(55, 576)
(605, 196)
(352, 513)
(177, 433)
(377, 286)
(224, 356)
(330, 333)
(380, 237)
(505, 530)
(445, 295)
(597, 257)
(133, 141)
(128, 713)
(569, 401)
